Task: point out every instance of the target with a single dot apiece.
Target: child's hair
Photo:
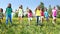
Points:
(20, 6)
(38, 7)
(30, 11)
(54, 7)
(46, 9)
(9, 5)
(1, 10)
(42, 9)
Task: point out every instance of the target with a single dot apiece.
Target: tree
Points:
(58, 7)
(58, 11)
(42, 5)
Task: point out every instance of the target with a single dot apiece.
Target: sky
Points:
(32, 4)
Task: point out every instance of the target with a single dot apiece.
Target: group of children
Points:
(40, 13)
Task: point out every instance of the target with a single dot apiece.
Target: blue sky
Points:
(32, 4)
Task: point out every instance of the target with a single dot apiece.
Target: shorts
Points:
(47, 18)
(54, 17)
(29, 18)
(42, 17)
(19, 15)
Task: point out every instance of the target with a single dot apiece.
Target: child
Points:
(37, 12)
(54, 15)
(20, 13)
(8, 13)
(46, 15)
(42, 15)
(1, 14)
(29, 16)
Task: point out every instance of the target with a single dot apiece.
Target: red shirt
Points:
(42, 13)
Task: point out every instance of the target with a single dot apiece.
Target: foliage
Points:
(23, 28)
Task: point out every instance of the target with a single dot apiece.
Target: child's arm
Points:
(6, 10)
(35, 11)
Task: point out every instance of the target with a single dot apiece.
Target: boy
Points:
(1, 14)
(46, 15)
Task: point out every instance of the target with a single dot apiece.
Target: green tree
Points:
(42, 5)
(58, 11)
(58, 7)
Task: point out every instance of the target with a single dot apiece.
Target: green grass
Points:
(22, 28)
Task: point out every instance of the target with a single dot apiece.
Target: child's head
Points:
(27, 8)
(20, 6)
(38, 7)
(30, 11)
(46, 9)
(9, 5)
(54, 7)
(42, 9)
(1, 10)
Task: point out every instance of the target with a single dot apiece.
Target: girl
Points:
(54, 15)
(37, 12)
(1, 14)
(42, 15)
(20, 13)
(8, 13)
(46, 15)
(29, 16)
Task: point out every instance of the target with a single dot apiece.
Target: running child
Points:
(54, 15)
(20, 13)
(29, 16)
(1, 14)
(8, 13)
(37, 12)
(42, 15)
(46, 15)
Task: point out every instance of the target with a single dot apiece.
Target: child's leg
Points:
(47, 19)
(29, 20)
(19, 18)
(7, 19)
(37, 19)
(10, 18)
(55, 20)
(41, 19)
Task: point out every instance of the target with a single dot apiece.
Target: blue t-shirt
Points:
(46, 14)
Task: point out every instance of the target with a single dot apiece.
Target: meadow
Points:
(23, 28)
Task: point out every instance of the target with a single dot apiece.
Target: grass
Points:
(22, 28)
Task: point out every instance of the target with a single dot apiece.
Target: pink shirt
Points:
(54, 12)
(29, 14)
